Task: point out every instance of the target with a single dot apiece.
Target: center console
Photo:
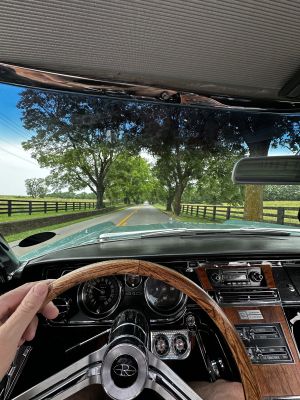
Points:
(249, 297)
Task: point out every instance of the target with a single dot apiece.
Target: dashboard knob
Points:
(63, 306)
(255, 276)
(215, 277)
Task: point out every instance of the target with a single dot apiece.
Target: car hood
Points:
(94, 233)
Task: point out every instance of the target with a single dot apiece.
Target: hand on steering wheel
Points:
(18, 320)
(125, 366)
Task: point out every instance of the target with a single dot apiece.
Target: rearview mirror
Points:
(278, 170)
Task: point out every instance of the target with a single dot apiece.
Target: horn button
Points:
(124, 371)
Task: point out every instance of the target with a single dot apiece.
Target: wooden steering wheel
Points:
(178, 281)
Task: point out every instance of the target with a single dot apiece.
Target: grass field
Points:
(221, 218)
(22, 235)
(28, 198)
(21, 217)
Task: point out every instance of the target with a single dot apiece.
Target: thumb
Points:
(17, 323)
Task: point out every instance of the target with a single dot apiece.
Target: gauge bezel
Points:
(87, 311)
(174, 311)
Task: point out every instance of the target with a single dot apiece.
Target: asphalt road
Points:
(137, 215)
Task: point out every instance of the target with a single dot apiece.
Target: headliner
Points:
(243, 48)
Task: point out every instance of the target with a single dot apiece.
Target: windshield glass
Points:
(79, 163)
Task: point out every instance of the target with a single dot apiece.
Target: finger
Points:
(49, 311)
(17, 323)
(13, 328)
(30, 331)
(9, 301)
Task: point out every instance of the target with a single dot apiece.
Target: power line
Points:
(16, 155)
(13, 128)
(13, 123)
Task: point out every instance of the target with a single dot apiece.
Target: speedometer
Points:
(163, 298)
(100, 297)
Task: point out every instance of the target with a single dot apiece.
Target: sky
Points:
(16, 164)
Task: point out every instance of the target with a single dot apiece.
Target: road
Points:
(137, 215)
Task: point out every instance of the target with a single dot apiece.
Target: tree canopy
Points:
(102, 145)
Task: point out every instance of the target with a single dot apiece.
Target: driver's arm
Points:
(18, 320)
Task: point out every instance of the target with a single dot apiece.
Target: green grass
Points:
(10, 197)
(21, 216)
(222, 218)
(22, 235)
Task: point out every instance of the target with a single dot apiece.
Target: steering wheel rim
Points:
(180, 282)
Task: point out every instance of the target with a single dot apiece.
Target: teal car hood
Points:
(93, 234)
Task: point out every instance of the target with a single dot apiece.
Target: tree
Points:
(36, 187)
(216, 186)
(175, 136)
(78, 137)
(260, 132)
(130, 179)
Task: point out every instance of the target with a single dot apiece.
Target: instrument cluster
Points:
(99, 299)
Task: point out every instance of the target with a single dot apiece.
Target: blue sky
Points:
(16, 165)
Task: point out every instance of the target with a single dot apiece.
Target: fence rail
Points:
(277, 215)
(9, 207)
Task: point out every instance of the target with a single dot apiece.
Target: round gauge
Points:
(180, 344)
(133, 281)
(161, 345)
(100, 297)
(162, 298)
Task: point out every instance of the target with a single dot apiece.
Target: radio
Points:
(224, 277)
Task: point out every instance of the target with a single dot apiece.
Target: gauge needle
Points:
(99, 290)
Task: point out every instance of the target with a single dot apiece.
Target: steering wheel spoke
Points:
(163, 380)
(68, 381)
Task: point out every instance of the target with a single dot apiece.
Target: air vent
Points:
(245, 297)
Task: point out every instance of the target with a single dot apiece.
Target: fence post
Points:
(228, 213)
(45, 207)
(85, 205)
(66, 206)
(56, 206)
(280, 215)
(9, 208)
(30, 208)
(204, 212)
(214, 212)
(73, 205)
(197, 211)
(79, 205)
(192, 209)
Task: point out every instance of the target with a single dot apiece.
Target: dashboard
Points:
(259, 297)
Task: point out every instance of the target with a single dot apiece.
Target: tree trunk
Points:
(253, 209)
(100, 194)
(177, 198)
(170, 198)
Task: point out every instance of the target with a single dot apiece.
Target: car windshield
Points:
(75, 163)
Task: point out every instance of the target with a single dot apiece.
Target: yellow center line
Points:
(124, 220)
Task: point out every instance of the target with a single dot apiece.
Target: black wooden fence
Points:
(10, 207)
(277, 215)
